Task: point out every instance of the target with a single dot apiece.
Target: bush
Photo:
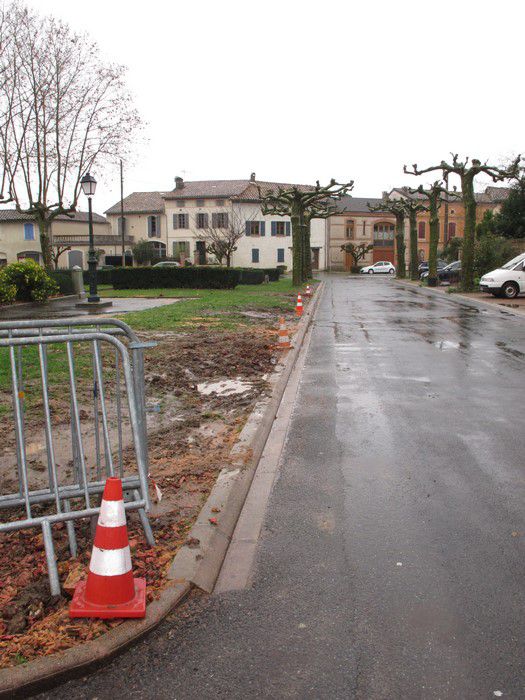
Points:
(250, 275)
(273, 273)
(7, 290)
(491, 252)
(31, 281)
(103, 276)
(282, 268)
(356, 268)
(174, 277)
(64, 279)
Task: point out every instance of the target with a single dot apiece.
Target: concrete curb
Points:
(458, 299)
(198, 566)
(47, 672)
(201, 564)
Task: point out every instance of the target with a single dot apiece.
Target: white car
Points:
(507, 281)
(383, 267)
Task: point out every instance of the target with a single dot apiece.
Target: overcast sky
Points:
(304, 90)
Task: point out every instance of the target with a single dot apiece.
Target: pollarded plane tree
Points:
(467, 170)
(302, 205)
(396, 207)
(413, 207)
(62, 112)
(434, 195)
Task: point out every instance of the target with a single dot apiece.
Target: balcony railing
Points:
(99, 239)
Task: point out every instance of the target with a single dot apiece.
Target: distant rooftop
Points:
(76, 217)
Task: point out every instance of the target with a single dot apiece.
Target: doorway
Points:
(200, 253)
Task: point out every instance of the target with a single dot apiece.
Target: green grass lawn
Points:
(216, 308)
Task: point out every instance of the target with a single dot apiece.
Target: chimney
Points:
(179, 183)
(252, 177)
(385, 195)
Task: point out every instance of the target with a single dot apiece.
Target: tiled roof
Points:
(78, 216)
(141, 203)
(358, 204)
(493, 195)
(246, 190)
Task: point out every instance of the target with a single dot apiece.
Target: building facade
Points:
(176, 222)
(19, 238)
(355, 223)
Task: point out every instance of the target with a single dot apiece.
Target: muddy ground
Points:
(201, 387)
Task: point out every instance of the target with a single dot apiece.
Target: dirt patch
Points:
(190, 440)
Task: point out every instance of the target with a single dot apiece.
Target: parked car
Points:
(383, 267)
(167, 263)
(507, 281)
(423, 267)
(450, 273)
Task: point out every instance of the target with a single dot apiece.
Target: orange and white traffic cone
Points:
(284, 338)
(110, 589)
(299, 306)
(308, 292)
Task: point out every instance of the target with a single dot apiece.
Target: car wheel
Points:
(391, 272)
(510, 290)
(370, 272)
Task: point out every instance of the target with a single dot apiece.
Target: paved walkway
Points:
(391, 560)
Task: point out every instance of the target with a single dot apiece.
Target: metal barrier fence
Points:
(103, 438)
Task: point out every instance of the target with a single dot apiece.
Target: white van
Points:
(507, 281)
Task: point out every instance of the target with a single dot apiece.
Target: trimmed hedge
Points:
(64, 279)
(103, 276)
(174, 277)
(273, 273)
(250, 275)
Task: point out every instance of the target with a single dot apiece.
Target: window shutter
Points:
(205, 220)
(274, 228)
(225, 220)
(150, 225)
(175, 221)
(288, 227)
(214, 220)
(247, 229)
(421, 230)
(158, 226)
(261, 227)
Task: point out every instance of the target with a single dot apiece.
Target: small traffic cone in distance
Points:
(308, 292)
(284, 338)
(299, 306)
(110, 589)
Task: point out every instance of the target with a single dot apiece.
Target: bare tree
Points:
(467, 170)
(62, 111)
(56, 251)
(302, 204)
(397, 207)
(357, 250)
(222, 241)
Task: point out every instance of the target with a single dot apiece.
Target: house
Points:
(176, 220)
(19, 238)
(354, 222)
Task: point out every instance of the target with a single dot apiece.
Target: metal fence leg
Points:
(70, 527)
(52, 571)
(150, 539)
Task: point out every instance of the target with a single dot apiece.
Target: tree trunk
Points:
(433, 242)
(45, 243)
(467, 257)
(228, 259)
(307, 252)
(414, 261)
(297, 247)
(400, 247)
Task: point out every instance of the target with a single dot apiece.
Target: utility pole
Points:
(122, 232)
(445, 234)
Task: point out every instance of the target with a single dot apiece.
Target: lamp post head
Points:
(88, 184)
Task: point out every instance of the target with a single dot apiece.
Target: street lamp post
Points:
(89, 185)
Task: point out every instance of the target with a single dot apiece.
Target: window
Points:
(280, 255)
(121, 225)
(421, 230)
(199, 203)
(29, 255)
(202, 220)
(160, 249)
(154, 226)
(255, 255)
(220, 202)
(29, 232)
(279, 228)
(349, 231)
(180, 221)
(180, 203)
(384, 234)
(255, 228)
(181, 250)
(451, 229)
(219, 220)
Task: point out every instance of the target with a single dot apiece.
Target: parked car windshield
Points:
(453, 266)
(514, 261)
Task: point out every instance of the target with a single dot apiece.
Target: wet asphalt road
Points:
(391, 563)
